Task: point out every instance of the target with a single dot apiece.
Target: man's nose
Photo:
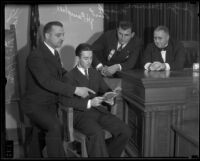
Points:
(123, 37)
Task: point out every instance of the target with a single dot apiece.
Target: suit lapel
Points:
(169, 53)
(81, 79)
(48, 55)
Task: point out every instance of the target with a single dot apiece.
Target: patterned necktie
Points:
(57, 56)
(86, 73)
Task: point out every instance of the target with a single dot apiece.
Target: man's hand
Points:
(117, 90)
(83, 91)
(96, 101)
(157, 66)
(162, 67)
(110, 101)
(105, 71)
(113, 69)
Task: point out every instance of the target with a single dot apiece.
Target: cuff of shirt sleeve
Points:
(89, 104)
(146, 66)
(167, 66)
(120, 67)
(99, 66)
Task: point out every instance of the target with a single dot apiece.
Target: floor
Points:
(18, 152)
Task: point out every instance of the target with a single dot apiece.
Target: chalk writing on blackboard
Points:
(88, 17)
(126, 9)
(13, 16)
(12, 92)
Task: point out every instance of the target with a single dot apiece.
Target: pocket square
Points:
(127, 57)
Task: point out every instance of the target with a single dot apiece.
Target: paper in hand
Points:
(108, 96)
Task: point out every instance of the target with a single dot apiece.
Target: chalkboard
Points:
(12, 85)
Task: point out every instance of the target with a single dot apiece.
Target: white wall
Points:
(82, 23)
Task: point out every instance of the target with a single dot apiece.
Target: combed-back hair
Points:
(48, 26)
(162, 28)
(82, 47)
(124, 24)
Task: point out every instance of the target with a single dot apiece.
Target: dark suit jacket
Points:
(95, 82)
(44, 75)
(127, 58)
(175, 54)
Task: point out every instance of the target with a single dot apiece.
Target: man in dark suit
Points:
(91, 115)
(165, 53)
(44, 84)
(117, 50)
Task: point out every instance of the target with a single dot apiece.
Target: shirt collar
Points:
(82, 70)
(118, 45)
(50, 48)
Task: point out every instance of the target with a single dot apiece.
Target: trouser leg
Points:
(46, 118)
(120, 134)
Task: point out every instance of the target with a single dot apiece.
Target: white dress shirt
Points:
(82, 70)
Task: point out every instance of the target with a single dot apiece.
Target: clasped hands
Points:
(108, 71)
(157, 66)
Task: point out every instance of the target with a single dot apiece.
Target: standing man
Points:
(165, 53)
(91, 116)
(44, 75)
(117, 50)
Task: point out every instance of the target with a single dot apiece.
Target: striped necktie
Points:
(120, 48)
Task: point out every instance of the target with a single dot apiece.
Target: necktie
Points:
(163, 52)
(57, 56)
(86, 73)
(120, 48)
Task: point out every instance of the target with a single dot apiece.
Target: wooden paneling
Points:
(154, 104)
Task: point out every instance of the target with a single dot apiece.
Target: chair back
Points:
(192, 52)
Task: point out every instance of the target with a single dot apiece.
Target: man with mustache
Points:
(44, 85)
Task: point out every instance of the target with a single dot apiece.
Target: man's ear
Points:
(46, 36)
(168, 38)
(76, 61)
(132, 34)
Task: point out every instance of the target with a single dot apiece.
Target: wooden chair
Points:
(192, 52)
(71, 134)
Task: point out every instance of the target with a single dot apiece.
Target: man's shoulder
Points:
(136, 40)
(110, 33)
(175, 43)
(39, 49)
(93, 70)
(72, 71)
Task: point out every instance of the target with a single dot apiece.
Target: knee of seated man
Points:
(96, 132)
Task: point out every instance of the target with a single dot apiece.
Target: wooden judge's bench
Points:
(158, 105)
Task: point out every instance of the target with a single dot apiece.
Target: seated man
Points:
(117, 50)
(90, 115)
(165, 53)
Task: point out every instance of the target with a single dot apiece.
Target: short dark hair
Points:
(162, 28)
(124, 24)
(48, 26)
(82, 47)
